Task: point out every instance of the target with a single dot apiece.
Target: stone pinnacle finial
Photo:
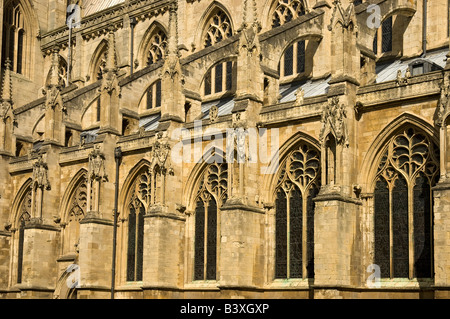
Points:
(54, 69)
(111, 63)
(7, 84)
(250, 16)
(172, 41)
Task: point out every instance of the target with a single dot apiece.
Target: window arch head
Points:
(218, 28)
(13, 37)
(287, 10)
(156, 49)
(99, 61)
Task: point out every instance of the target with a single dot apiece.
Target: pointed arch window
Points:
(142, 196)
(14, 33)
(403, 206)
(218, 28)
(221, 78)
(157, 46)
(294, 59)
(77, 211)
(298, 184)
(153, 95)
(211, 195)
(382, 42)
(24, 216)
(287, 10)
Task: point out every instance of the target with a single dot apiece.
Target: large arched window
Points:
(13, 36)
(24, 215)
(211, 195)
(298, 184)
(287, 10)
(403, 205)
(382, 42)
(218, 28)
(142, 196)
(220, 79)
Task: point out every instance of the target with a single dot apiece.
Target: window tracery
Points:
(286, 11)
(403, 205)
(157, 47)
(219, 28)
(211, 195)
(297, 185)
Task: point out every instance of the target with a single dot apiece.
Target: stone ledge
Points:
(5, 233)
(236, 204)
(165, 215)
(336, 197)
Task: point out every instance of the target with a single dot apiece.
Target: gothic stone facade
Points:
(353, 200)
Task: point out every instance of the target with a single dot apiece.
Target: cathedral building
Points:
(225, 149)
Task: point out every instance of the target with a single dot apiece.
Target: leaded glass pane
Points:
(295, 240)
(20, 252)
(140, 244)
(400, 228)
(150, 98)
(199, 244)
(219, 78)
(289, 61)
(281, 235)
(386, 41)
(158, 94)
(229, 75)
(131, 256)
(207, 83)
(422, 228)
(211, 240)
(381, 227)
(310, 230)
(301, 57)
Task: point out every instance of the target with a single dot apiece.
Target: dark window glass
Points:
(281, 235)
(208, 83)
(199, 258)
(11, 46)
(131, 256)
(310, 206)
(381, 227)
(295, 240)
(422, 228)
(288, 61)
(301, 57)
(158, 94)
(150, 98)
(211, 240)
(229, 76)
(375, 43)
(19, 51)
(387, 35)
(219, 78)
(140, 244)
(400, 228)
(98, 109)
(20, 252)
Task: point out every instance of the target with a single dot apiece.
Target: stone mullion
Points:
(205, 239)
(391, 234)
(288, 234)
(411, 227)
(304, 234)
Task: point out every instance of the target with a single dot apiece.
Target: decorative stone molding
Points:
(334, 119)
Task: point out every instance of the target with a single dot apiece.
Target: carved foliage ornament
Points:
(444, 99)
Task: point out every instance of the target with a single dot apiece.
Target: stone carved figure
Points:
(40, 176)
(97, 165)
(213, 113)
(334, 118)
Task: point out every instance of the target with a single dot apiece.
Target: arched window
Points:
(293, 59)
(286, 11)
(218, 28)
(142, 196)
(157, 46)
(403, 206)
(13, 35)
(24, 216)
(382, 43)
(77, 211)
(298, 184)
(220, 78)
(211, 195)
(62, 72)
(153, 95)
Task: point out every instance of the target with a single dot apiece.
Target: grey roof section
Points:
(310, 88)
(89, 136)
(224, 106)
(388, 71)
(94, 6)
(150, 123)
